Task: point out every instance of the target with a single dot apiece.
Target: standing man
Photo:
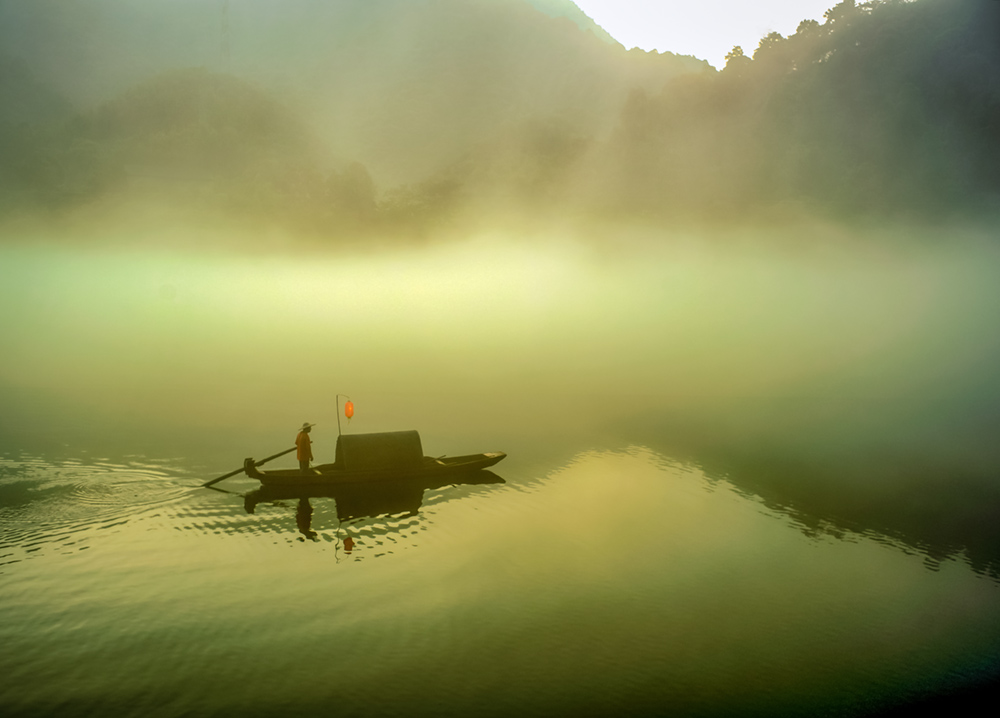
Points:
(303, 444)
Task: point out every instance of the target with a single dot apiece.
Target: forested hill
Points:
(404, 87)
(886, 111)
(386, 115)
(888, 108)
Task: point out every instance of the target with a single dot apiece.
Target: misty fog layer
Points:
(858, 385)
(348, 121)
(127, 101)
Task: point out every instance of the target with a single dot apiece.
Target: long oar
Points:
(256, 463)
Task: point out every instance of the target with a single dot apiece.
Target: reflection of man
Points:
(303, 444)
(303, 519)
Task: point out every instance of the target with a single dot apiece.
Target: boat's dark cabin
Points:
(376, 452)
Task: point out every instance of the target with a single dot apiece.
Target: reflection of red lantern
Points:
(349, 409)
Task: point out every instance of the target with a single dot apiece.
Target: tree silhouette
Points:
(737, 62)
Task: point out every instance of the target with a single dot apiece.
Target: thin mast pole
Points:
(338, 410)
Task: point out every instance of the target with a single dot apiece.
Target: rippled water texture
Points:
(618, 581)
(732, 487)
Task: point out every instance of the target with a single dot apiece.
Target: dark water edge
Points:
(930, 480)
(970, 699)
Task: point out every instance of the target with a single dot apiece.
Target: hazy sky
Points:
(707, 29)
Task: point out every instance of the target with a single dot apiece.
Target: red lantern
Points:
(349, 409)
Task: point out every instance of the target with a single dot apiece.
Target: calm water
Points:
(739, 482)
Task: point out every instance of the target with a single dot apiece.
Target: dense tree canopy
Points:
(888, 108)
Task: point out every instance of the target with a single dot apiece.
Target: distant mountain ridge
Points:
(406, 87)
(570, 10)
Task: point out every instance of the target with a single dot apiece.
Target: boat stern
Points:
(250, 469)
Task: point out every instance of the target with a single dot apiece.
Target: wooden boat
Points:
(366, 458)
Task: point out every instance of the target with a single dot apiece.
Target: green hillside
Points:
(887, 109)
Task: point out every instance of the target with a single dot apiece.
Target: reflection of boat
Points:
(360, 500)
(375, 458)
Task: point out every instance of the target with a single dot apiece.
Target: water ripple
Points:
(64, 504)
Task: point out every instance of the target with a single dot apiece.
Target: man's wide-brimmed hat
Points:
(306, 425)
